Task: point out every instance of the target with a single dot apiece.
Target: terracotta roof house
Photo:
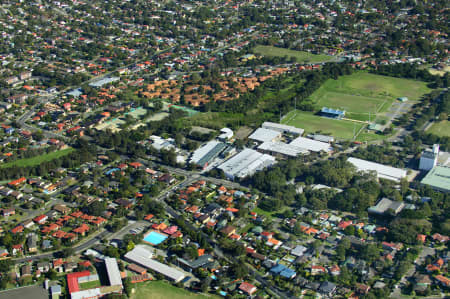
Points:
(41, 219)
(247, 288)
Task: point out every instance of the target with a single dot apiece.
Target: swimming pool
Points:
(155, 238)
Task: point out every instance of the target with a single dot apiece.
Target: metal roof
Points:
(282, 148)
(282, 128)
(142, 256)
(438, 178)
(264, 135)
(246, 163)
(113, 271)
(206, 150)
(311, 145)
(383, 171)
(333, 111)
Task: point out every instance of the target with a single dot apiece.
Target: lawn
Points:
(89, 285)
(163, 290)
(363, 95)
(301, 56)
(441, 128)
(38, 159)
(311, 123)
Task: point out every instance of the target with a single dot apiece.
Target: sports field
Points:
(301, 56)
(38, 159)
(341, 129)
(441, 128)
(363, 95)
(162, 290)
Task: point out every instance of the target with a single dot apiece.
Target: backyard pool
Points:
(154, 238)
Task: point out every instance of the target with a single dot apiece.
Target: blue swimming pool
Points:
(155, 238)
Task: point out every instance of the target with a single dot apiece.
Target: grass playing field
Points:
(341, 129)
(441, 128)
(163, 290)
(38, 159)
(362, 93)
(301, 56)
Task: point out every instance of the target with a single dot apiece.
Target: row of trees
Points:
(83, 153)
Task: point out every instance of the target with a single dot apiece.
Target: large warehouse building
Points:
(282, 128)
(207, 153)
(281, 148)
(246, 163)
(265, 135)
(382, 171)
(311, 145)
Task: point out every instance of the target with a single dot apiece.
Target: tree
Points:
(5, 265)
(68, 251)
(239, 270)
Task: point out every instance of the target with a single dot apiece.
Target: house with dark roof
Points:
(327, 288)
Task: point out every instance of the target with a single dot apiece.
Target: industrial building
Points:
(281, 149)
(438, 178)
(386, 204)
(265, 135)
(311, 145)
(207, 153)
(429, 158)
(382, 171)
(285, 129)
(141, 255)
(246, 163)
(323, 138)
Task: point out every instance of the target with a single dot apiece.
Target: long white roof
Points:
(142, 256)
(383, 171)
(311, 145)
(202, 151)
(282, 148)
(113, 271)
(264, 135)
(282, 128)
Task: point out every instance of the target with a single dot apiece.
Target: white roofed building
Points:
(281, 148)
(226, 134)
(311, 145)
(246, 163)
(382, 171)
(142, 256)
(265, 135)
(282, 128)
(207, 153)
(112, 269)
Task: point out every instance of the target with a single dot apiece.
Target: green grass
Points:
(89, 285)
(38, 159)
(441, 128)
(311, 123)
(163, 290)
(301, 56)
(362, 93)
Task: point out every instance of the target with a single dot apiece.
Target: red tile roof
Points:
(72, 280)
(247, 288)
